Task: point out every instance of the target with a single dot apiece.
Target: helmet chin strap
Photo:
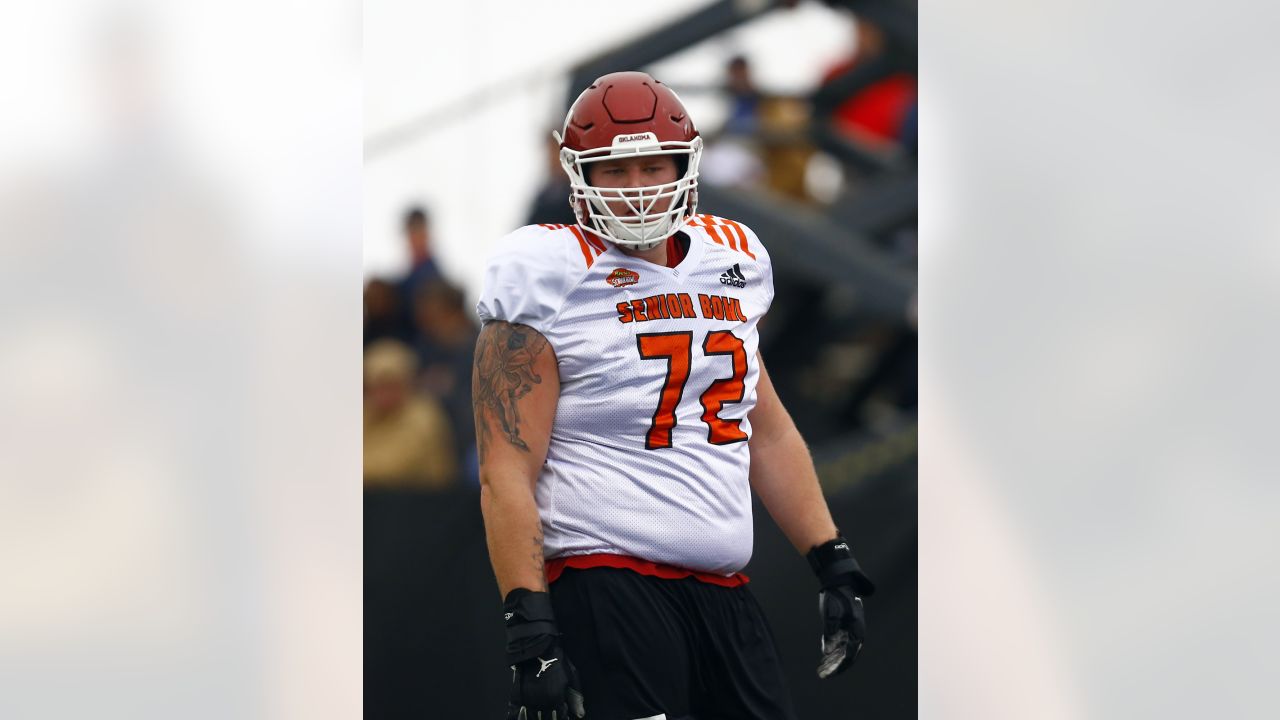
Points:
(633, 238)
(648, 245)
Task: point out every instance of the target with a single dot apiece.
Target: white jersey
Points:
(658, 370)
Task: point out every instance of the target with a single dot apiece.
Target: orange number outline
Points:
(676, 348)
(725, 390)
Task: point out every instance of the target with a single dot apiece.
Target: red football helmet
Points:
(629, 114)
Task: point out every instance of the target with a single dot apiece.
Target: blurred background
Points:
(179, 257)
(184, 188)
(809, 113)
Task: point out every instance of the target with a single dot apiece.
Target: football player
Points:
(624, 417)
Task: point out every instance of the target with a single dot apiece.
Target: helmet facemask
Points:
(645, 223)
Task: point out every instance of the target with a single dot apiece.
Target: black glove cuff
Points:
(834, 564)
(531, 624)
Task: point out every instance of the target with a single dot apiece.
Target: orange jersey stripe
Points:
(582, 243)
(714, 233)
(595, 242)
(724, 231)
(728, 234)
(701, 221)
(742, 236)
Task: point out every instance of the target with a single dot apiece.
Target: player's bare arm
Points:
(782, 471)
(515, 387)
(504, 373)
(782, 474)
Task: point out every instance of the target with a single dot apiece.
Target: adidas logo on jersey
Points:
(733, 276)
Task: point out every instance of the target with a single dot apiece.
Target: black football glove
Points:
(844, 624)
(544, 684)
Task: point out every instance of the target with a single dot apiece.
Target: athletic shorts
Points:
(645, 647)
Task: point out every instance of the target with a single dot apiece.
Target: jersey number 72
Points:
(676, 348)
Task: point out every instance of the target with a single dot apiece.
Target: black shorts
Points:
(645, 646)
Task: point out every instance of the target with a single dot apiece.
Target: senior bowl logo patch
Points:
(622, 277)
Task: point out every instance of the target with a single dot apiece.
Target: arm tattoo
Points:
(503, 374)
(539, 561)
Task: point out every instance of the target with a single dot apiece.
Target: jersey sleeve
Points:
(764, 260)
(524, 280)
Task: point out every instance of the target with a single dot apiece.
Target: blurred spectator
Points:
(732, 157)
(876, 115)
(422, 266)
(383, 313)
(785, 145)
(551, 204)
(743, 98)
(446, 342)
(407, 439)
